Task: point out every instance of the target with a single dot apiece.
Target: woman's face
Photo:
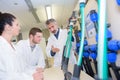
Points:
(15, 28)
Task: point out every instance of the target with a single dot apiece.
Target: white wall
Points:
(25, 35)
(91, 5)
(114, 18)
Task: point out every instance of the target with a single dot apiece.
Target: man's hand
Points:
(39, 69)
(55, 49)
(38, 75)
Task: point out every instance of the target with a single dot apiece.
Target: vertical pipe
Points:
(77, 67)
(82, 6)
(102, 41)
(69, 43)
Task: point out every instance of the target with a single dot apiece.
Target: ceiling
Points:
(61, 11)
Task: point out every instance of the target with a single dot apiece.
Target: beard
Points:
(54, 31)
(35, 42)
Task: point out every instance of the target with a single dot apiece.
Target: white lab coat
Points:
(33, 58)
(11, 68)
(59, 43)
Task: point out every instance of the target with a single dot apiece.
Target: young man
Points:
(30, 51)
(56, 43)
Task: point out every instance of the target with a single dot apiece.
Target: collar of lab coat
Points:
(5, 42)
(53, 37)
(28, 42)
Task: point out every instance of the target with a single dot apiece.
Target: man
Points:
(30, 51)
(56, 43)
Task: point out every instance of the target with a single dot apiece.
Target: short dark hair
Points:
(34, 30)
(5, 18)
(49, 21)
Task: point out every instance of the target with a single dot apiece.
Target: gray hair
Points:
(50, 21)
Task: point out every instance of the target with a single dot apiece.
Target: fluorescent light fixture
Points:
(49, 12)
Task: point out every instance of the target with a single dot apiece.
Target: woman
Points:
(10, 65)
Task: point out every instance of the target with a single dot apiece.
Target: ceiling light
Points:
(48, 12)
